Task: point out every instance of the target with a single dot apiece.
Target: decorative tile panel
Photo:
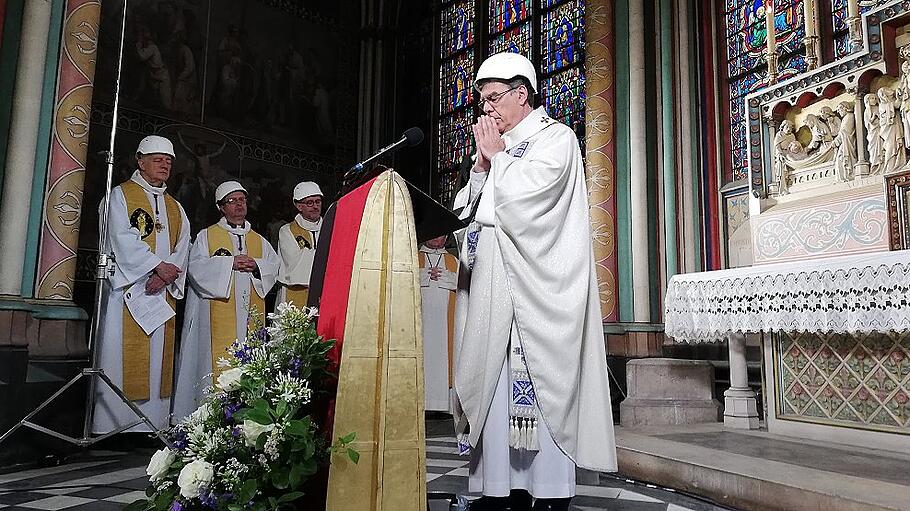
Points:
(835, 226)
(860, 381)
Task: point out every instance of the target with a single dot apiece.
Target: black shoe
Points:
(519, 500)
(487, 503)
(552, 504)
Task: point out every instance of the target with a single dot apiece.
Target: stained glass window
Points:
(507, 13)
(549, 32)
(840, 25)
(560, 29)
(746, 41)
(456, 28)
(563, 96)
(455, 77)
(517, 40)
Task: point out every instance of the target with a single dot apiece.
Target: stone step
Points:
(754, 470)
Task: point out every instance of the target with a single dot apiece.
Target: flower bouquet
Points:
(252, 444)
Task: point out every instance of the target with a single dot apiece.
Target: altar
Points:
(835, 335)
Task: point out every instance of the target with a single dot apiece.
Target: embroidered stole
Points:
(223, 311)
(451, 264)
(136, 345)
(300, 294)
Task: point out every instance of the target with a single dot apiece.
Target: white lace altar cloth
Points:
(849, 294)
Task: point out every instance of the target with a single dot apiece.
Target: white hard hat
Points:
(153, 144)
(306, 189)
(226, 188)
(506, 66)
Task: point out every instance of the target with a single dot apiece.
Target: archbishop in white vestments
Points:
(297, 244)
(231, 269)
(438, 281)
(531, 372)
(149, 236)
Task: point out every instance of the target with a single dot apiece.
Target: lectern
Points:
(366, 285)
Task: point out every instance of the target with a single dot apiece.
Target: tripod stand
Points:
(104, 270)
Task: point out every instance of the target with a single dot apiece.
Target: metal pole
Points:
(105, 258)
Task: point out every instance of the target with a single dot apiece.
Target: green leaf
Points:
(346, 439)
(273, 502)
(281, 409)
(353, 455)
(288, 497)
(255, 415)
(298, 428)
(280, 478)
(247, 490)
(296, 476)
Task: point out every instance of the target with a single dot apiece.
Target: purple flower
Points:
(235, 432)
(295, 366)
(262, 334)
(176, 506)
(230, 409)
(180, 439)
(209, 500)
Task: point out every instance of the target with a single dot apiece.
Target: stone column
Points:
(777, 186)
(810, 20)
(740, 404)
(638, 214)
(600, 148)
(861, 168)
(23, 140)
(69, 150)
(854, 22)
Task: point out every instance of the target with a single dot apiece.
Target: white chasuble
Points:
(438, 313)
(159, 221)
(217, 291)
(297, 249)
(527, 283)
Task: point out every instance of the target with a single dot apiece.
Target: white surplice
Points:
(296, 261)
(134, 262)
(533, 283)
(434, 295)
(211, 277)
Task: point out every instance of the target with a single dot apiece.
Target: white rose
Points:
(160, 463)
(230, 380)
(251, 431)
(201, 414)
(194, 477)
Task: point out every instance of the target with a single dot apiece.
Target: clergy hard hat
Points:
(306, 189)
(153, 144)
(506, 66)
(226, 188)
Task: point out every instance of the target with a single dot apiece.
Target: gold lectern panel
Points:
(380, 383)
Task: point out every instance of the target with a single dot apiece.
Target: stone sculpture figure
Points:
(786, 147)
(894, 155)
(821, 132)
(903, 94)
(845, 142)
(831, 120)
(873, 132)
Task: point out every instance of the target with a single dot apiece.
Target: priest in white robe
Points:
(297, 244)
(438, 281)
(231, 269)
(531, 370)
(149, 236)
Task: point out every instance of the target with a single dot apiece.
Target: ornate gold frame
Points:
(897, 190)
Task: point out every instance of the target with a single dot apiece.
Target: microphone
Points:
(410, 138)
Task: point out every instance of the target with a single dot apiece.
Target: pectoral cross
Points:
(158, 226)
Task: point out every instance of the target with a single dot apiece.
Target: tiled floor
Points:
(108, 480)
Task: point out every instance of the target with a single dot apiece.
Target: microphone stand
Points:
(104, 270)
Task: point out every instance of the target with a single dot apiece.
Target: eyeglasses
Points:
(495, 97)
(235, 200)
(310, 202)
